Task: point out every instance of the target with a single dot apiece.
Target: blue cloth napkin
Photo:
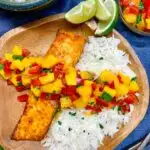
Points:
(141, 44)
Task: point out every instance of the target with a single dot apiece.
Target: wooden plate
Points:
(37, 37)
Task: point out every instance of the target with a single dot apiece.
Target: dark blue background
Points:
(141, 44)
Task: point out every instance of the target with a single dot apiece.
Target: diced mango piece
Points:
(84, 91)
(130, 18)
(17, 50)
(46, 79)
(71, 76)
(86, 75)
(133, 86)
(26, 62)
(111, 92)
(36, 91)
(65, 102)
(26, 80)
(107, 76)
(79, 103)
(122, 90)
(14, 79)
(125, 79)
(49, 61)
(148, 23)
(8, 56)
(88, 83)
(39, 60)
(56, 86)
(17, 64)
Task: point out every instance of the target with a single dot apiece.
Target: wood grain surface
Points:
(37, 37)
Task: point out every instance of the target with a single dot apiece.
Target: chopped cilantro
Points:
(139, 18)
(1, 148)
(84, 131)
(19, 57)
(101, 58)
(117, 108)
(78, 85)
(69, 129)
(92, 103)
(101, 126)
(133, 79)
(72, 113)
(82, 118)
(46, 70)
(1, 66)
(105, 96)
(59, 122)
(141, 5)
(19, 83)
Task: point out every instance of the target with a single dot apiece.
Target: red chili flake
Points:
(43, 95)
(7, 69)
(69, 90)
(20, 88)
(25, 52)
(18, 78)
(111, 85)
(9, 82)
(17, 71)
(101, 87)
(23, 98)
(99, 101)
(125, 108)
(36, 82)
(94, 85)
(55, 96)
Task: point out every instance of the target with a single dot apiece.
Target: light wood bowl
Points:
(37, 37)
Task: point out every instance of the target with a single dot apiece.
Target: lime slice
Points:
(105, 27)
(102, 13)
(82, 12)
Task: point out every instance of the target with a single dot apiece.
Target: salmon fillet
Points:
(68, 47)
(35, 121)
(38, 114)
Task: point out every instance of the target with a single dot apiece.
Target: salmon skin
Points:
(38, 114)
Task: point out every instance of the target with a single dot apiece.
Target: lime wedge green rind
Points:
(102, 13)
(82, 12)
(105, 27)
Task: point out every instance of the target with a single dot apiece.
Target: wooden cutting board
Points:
(37, 37)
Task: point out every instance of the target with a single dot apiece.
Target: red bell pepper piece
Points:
(124, 2)
(94, 85)
(9, 82)
(23, 98)
(25, 52)
(69, 90)
(74, 97)
(43, 95)
(35, 70)
(20, 88)
(101, 87)
(131, 99)
(111, 85)
(55, 96)
(18, 78)
(35, 82)
(7, 69)
(17, 71)
(125, 108)
(101, 102)
(58, 70)
(132, 10)
(148, 12)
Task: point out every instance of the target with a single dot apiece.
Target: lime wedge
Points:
(102, 12)
(105, 27)
(82, 12)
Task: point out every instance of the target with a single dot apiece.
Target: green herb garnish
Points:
(19, 57)
(69, 129)
(101, 58)
(105, 96)
(92, 103)
(82, 118)
(59, 122)
(133, 79)
(19, 83)
(141, 5)
(72, 113)
(1, 66)
(117, 108)
(139, 18)
(46, 70)
(101, 126)
(1, 148)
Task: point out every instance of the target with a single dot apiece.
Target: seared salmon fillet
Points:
(38, 114)
(68, 47)
(35, 121)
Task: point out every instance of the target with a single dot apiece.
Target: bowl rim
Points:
(24, 6)
(135, 30)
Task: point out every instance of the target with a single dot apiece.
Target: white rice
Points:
(107, 50)
(84, 134)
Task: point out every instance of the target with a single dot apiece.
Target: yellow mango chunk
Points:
(56, 86)
(26, 62)
(148, 23)
(79, 103)
(71, 76)
(17, 64)
(134, 86)
(130, 18)
(88, 83)
(46, 79)
(49, 61)
(106, 76)
(110, 91)
(65, 102)
(8, 56)
(25, 80)
(39, 60)
(122, 90)
(17, 50)
(14, 79)
(86, 75)
(141, 25)
(84, 91)
(36, 91)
